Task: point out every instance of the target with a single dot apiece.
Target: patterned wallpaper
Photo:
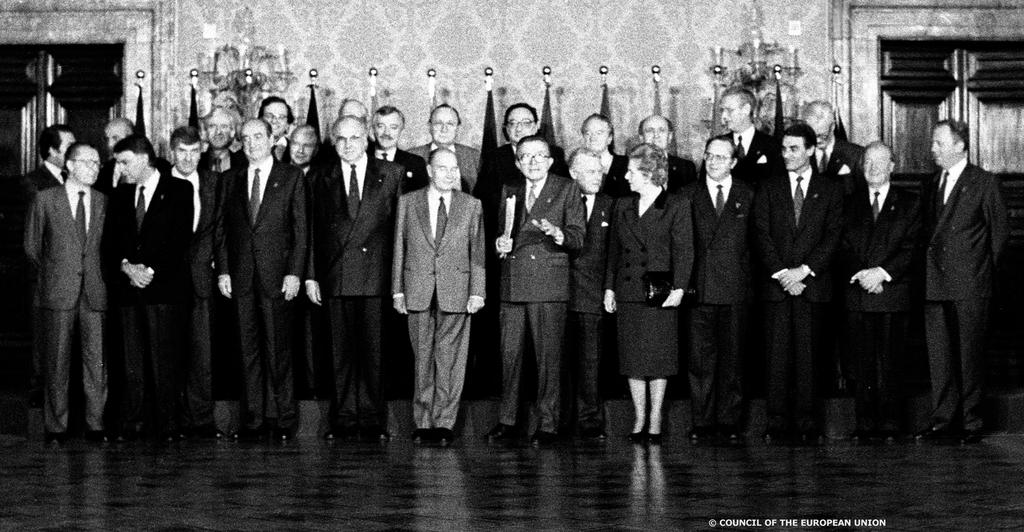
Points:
(459, 38)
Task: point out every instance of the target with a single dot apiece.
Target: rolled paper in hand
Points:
(510, 215)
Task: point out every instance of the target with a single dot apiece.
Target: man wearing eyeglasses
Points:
(444, 129)
(62, 240)
(548, 223)
(658, 130)
(721, 278)
(276, 112)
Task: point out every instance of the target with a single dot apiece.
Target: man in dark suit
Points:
(149, 230)
(835, 159)
(353, 226)
(388, 124)
(63, 232)
(53, 142)
(444, 128)
(758, 152)
(797, 223)
(196, 395)
(260, 242)
(880, 236)
(598, 135)
(547, 224)
(721, 209)
(521, 121)
(437, 278)
(276, 112)
(302, 147)
(658, 131)
(586, 294)
(115, 130)
(221, 127)
(966, 229)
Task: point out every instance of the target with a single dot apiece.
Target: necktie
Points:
(875, 207)
(719, 201)
(353, 192)
(217, 165)
(442, 221)
(80, 216)
(940, 200)
(140, 208)
(822, 160)
(739, 147)
(254, 195)
(798, 199)
(531, 197)
(585, 210)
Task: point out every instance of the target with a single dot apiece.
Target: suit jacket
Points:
(37, 180)
(782, 244)
(615, 184)
(845, 165)
(414, 173)
(351, 252)
(161, 244)
(889, 242)
(762, 160)
(659, 241)
(67, 268)
(537, 270)
(681, 172)
(453, 269)
(965, 238)
(502, 171)
(238, 160)
(469, 163)
(258, 256)
(201, 256)
(105, 179)
(721, 243)
(586, 267)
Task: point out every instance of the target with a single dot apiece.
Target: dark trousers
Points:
(876, 340)
(586, 338)
(56, 353)
(955, 336)
(792, 330)
(356, 348)
(197, 395)
(716, 342)
(153, 346)
(264, 327)
(545, 324)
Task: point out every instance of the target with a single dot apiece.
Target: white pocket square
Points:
(604, 224)
(845, 170)
(762, 160)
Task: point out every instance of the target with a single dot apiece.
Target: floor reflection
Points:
(312, 485)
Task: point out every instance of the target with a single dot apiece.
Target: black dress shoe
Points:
(96, 436)
(250, 434)
(207, 432)
(543, 437)
(860, 436)
(374, 433)
(445, 437)
(423, 435)
(970, 437)
(59, 438)
(637, 438)
(501, 431)
(700, 433)
(932, 433)
(592, 433)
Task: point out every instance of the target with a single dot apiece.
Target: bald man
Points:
(835, 159)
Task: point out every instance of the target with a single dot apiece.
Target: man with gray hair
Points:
(388, 124)
(835, 159)
(221, 127)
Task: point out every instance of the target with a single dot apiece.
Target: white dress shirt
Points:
(56, 172)
(196, 204)
(883, 192)
(346, 169)
(264, 167)
(72, 188)
(148, 188)
(433, 200)
(589, 204)
(747, 136)
(952, 175)
(803, 184)
(713, 188)
(388, 154)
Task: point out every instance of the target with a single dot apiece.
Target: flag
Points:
(779, 121)
(657, 99)
(840, 131)
(489, 139)
(547, 124)
(193, 111)
(313, 114)
(606, 110)
(140, 116)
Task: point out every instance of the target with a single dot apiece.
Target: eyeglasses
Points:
(445, 124)
(521, 123)
(89, 162)
(715, 158)
(533, 157)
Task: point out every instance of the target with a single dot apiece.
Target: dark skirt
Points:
(648, 340)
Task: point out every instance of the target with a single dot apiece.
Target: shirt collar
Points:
(538, 185)
(263, 166)
(389, 154)
(153, 181)
(193, 177)
(74, 187)
(746, 134)
(953, 172)
(54, 170)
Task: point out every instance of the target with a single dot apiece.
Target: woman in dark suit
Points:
(652, 233)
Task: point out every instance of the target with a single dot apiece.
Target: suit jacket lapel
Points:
(540, 207)
(95, 216)
(954, 197)
(422, 206)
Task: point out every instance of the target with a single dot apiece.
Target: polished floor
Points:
(309, 484)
